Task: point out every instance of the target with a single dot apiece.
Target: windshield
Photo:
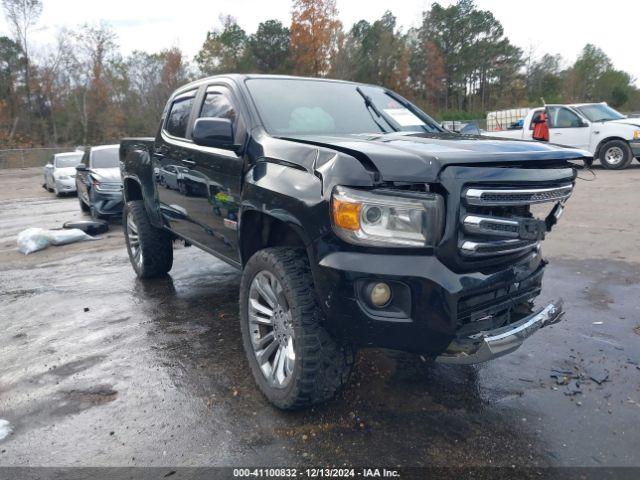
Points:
(301, 106)
(599, 112)
(104, 158)
(68, 160)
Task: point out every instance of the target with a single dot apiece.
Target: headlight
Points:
(387, 218)
(636, 134)
(106, 186)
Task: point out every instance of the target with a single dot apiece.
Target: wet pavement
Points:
(101, 369)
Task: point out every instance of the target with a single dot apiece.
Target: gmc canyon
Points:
(356, 219)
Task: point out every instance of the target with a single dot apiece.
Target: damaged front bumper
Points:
(485, 346)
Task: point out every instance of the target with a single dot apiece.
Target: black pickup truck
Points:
(356, 219)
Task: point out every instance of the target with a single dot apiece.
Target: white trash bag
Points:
(34, 239)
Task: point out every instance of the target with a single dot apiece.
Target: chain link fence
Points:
(29, 157)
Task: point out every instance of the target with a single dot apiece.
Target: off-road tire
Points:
(626, 151)
(83, 206)
(156, 243)
(322, 365)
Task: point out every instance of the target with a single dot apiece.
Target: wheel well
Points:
(132, 190)
(602, 142)
(259, 231)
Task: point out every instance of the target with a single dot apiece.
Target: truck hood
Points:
(634, 122)
(420, 157)
(108, 175)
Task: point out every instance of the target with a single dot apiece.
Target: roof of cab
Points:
(239, 77)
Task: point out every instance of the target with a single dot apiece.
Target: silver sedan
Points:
(60, 172)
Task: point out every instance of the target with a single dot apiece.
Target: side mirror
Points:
(213, 132)
(81, 168)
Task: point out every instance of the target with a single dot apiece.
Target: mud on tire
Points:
(322, 366)
(154, 244)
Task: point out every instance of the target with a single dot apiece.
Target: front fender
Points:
(289, 194)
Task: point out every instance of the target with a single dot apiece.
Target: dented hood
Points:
(411, 157)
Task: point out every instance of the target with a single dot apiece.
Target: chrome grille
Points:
(528, 196)
(498, 221)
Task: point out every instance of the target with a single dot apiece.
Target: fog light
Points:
(380, 294)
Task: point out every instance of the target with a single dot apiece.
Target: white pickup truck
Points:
(610, 136)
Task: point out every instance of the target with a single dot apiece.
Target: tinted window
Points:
(179, 117)
(218, 105)
(104, 158)
(561, 117)
(68, 160)
(289, 106)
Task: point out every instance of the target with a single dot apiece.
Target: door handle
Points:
(187, 161)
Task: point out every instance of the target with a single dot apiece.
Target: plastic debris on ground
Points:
(598, 374)
(34, 239)
(91, 227)
(573, 388)
(5, 428)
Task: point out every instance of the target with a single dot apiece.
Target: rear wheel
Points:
(150, 248)
(615, 155)
(293, 359)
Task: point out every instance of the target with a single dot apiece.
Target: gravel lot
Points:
(100, 369)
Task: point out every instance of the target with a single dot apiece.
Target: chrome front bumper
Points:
(485, 346)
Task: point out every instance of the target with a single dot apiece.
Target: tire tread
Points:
(325, 364)
(156, 243)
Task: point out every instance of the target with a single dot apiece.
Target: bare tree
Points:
(22, 15)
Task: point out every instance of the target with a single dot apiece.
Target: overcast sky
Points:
(553, 26)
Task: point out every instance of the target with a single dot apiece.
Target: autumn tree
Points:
(96, 50)
(314, 35)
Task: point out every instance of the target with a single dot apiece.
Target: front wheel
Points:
(150, 248)
(293, 359)
(615, 155)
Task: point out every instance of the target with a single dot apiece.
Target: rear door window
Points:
(178, 117)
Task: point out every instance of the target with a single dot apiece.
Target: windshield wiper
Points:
(411, 107)
(372, 107)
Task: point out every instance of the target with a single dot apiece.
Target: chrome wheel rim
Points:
(271, 329)
(614, 155)
(134, 239)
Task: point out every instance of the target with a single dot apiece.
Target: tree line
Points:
(457, 64)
